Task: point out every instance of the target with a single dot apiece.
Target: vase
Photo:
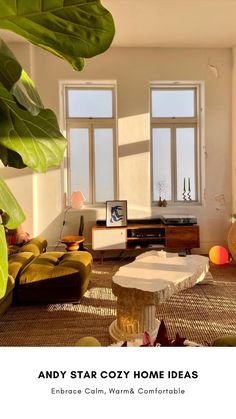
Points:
(164, 203)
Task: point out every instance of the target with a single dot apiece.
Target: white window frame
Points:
(91, 124)
(196, 122)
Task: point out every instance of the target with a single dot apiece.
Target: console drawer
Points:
(184, 236)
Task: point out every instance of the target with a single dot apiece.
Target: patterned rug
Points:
(201, 313)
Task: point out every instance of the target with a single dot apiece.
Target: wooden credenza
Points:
(134, 236)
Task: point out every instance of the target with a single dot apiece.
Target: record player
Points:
(179, 219)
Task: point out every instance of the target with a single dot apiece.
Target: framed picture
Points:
(116, 213)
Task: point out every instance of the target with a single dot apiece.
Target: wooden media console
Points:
(153, 236)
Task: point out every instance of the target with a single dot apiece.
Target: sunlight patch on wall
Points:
(134, 128)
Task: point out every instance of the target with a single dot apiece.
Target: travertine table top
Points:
(161, 273)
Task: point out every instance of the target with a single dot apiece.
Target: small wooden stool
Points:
(72, 242)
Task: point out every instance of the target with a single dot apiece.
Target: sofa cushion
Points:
(56, 264)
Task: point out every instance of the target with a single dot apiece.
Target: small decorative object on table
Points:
(162, 190)
(184, 192)
(187, 193)
(189, 190)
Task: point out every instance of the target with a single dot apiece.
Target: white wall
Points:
(134, 68)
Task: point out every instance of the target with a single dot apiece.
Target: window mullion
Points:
(115, 159)
(197, 169)
(164, 120)
(92, 182)
(173, 163)
(67, 164)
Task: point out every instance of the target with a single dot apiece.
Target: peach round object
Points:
(218, 255)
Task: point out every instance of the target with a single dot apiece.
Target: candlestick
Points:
(184, 185)
(189, 189)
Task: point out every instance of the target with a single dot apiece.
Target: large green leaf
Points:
(3, 262)
(11, 158)
(70, 29)
(26, 94)
(36, 138)
(9, 204)
(10, 69)
(17, 81)
(13, 216)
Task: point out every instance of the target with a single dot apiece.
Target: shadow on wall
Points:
(67, 223)
(11, 172)
(134, 148)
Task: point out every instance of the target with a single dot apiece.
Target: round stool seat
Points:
(72, 242)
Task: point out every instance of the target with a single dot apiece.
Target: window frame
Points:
(91, 124)
(89, 86)
(173, 123)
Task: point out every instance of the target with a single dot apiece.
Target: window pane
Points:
(85, 103)
(79, 160)
(104, 172)
(185, 161)
(161, 163)
(173, 103)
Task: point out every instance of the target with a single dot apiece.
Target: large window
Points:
(176, 137)
(91, 130)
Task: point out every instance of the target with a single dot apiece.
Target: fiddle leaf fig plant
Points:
(11, 216)
(72, 30)
(29, 134)
(3, 262)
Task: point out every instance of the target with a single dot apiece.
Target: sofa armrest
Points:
(37, 245)
(17, 262)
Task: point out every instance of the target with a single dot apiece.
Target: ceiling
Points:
(174, 23)
(169, 23)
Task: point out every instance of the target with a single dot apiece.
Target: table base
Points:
(129, 326)
(148, 281)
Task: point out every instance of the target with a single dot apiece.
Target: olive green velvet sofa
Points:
(37, 276)
(54, 277)
(19, 257)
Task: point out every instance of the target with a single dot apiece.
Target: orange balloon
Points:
(218, 255)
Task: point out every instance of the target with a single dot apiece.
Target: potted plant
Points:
(29, 133)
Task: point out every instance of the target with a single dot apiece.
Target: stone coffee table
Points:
(150, 280)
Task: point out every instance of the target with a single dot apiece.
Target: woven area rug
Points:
(201, 313)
